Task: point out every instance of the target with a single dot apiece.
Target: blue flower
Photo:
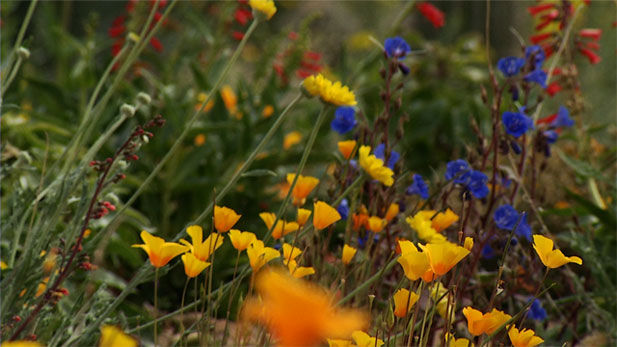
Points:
(563, 118)
(523, 229)
(456, 169)
(536, 311)
(516, 123)
(343, 209)
(344, 119)
(538, 55)
(505, 217)
(510, 66)
(418, 187)
(477, 184)
(362, 240)
(353, 163)
(396, 47)
(538, 76)
(380, 153)
(488, 252)
(550, 136)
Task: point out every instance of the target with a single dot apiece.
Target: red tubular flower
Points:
(591, 55)
(156, 44)
(553, 88)
(592, 45)
(533, 10)
(312, 55)
(237, 35)
(432, 13)
(292, 35)
(309, 66)
(535, 39)
(130, 6)
(116, 31)
(547, 119)
(303, 73)
(243, 15)
(593, 34)
(116, 47)
(548, 50)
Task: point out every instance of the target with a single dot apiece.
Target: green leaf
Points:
(580, 167)
(605, 216)
(259, 173)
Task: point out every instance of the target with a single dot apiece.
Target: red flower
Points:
(591, 55)
(547, 119)
(535, 39)
(312, 55)
(243, 15)
(237, 35)
(116, 31)
(309, 66)
(292, 35)
(553, 88)
(116, 47)
(593, 34)
(593, 45)
(432, 13)
(533, 10)
(303, 73)
(156, 44)
(548, 50)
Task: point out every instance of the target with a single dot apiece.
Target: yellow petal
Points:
(324, 215)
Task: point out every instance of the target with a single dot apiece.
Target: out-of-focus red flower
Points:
(243, 15)
(593, 34)
(553, 88)
(312, 55)
(593, 45)
(548, 50)
(535, 39)
(432, 13)
(130, 5)
(534, 10)
(591, 55)
(116, 31)
(116, 47)
(156, 44)
(237, 35)
(547, 119)
(292, 35)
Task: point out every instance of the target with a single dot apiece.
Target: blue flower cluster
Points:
(535, 54)
(536, 311)
(474, 181)
(396, 47)
(506, 217)
(563, 118)
(516, 123)
(380, 152)
(510, 66)
(418, 186)
(344, 119)
(343, 209)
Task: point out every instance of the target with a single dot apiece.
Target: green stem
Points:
(156, 292)
(303, 160)
(182, 309)
(20, 36)
(14, 71)
(367, 283)
(426, 313)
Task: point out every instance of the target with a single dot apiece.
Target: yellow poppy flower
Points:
(332, 93)
(425, 227)
(290, 252)
(468, 243)
(202, 250)
(299, 271)
(3, 265)
(443, 220)
(443, 256)
(346, 148)
(282, 227)
(376, 224)
(478, 323)
(551, 258)
(524, 337)
(298, 313)
(303, 216)
(112, 336)
(230, 100)
(415, 263)
(404, 301)
(304, 186)
(374, 166)
(290, 139)
(260, 255)
(241, 239)
(348, 253)
(339, 343)
(392, 211)
(267, 111)
(363, 339)
(193, 266)
(264, 7)
(159, 251)
(224, 218)
(324, 215)
(460, 342)
(21, 343)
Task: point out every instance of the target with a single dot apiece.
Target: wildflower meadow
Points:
(308, 173)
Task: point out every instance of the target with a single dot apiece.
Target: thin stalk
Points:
(367, 283)
(186, 284)
(231, 295)
(303, 160)
(9, 80)
(426, 312)
(415, 316)
(156, 292)
(20, 35)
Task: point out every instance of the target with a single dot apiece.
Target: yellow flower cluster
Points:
(332, 93)
(375, 167)
(435, 260)
(265, 7)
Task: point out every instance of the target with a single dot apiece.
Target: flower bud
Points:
(143, 99)
(127, 110)
(23, 53)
